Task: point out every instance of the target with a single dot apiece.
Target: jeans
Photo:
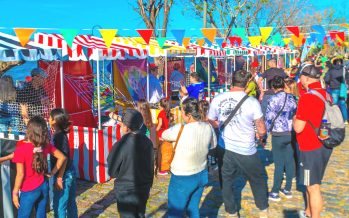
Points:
(36, 198)
(340, 102)
(235, 165)
(64, 204)
(283, 157)
(184, 194)
(131, 203)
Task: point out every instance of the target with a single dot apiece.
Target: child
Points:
(144, 109)
(8, 157)
(163, 123)
(30, 157)
(64, 204)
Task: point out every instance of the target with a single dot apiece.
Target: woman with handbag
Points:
(280, 111)
(189, 165)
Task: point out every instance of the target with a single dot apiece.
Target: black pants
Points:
(132, 203)
(231, 166)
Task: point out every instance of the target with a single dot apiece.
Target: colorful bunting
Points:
(319, 29)
(23, 35)
(209, 33)
(255, 40)
(219, 41)
(69, 35)
(286, 40)
(333, 35)
(161, 41)
(200, 42)
(294, 30)
(235, 40)
(265, 32)
(277, 40)
(341, 36)
(145, 34)
(179, 35)
(108, 35)
(239, 32)
(320, 38)
(186, 41)
(298, 41)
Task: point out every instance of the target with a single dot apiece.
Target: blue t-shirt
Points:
(195, 89)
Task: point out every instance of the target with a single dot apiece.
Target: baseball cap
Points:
(153, 66)
(310, 70)
(38, 72)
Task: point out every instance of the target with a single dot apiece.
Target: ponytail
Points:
(37, 133)
(164, 102)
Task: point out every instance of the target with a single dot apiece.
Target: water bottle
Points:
(324, 131)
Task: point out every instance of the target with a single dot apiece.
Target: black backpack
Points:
(334, 116)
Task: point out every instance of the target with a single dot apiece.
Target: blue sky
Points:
(108, 14)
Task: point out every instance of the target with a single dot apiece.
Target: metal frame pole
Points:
(98, 94)
(226, 73)
(166, 75)
(61, 76)
(209, 77)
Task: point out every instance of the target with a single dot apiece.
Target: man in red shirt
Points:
(313, 155)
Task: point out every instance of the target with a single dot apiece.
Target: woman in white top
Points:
(189, 165)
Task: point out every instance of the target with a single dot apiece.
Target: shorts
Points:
(312, 165)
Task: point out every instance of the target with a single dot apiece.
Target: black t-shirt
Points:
(61, 142)
(269, 75)
(131, 162)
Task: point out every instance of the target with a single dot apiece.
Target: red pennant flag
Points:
(294, 30)
(235, 39)
(333, 35)
(146, 34)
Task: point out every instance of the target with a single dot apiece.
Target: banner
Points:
(255, 40)
(133, 74)
(23, 35)
(161, 41)
(186, 41)
(69, 35)
(108, 35)
(145, 34)
(179, 35)
(175, 74)
(294, 30)
(200, 42)
(265, 32)
(209, 33)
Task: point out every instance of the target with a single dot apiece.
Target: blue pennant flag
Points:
(179, 35)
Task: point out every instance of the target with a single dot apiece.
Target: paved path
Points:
(97, 200)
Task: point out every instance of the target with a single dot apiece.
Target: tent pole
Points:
(226, 73)
(209, 77)
(234, 63)
(195, 63)
(61, 76)
(148, 78)
(166, 74)
(248, 63)
(98, 94)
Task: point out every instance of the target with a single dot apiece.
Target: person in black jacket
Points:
(335, 78)
(131, 163)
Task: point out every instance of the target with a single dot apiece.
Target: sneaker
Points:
(232, 215)
(302, 214)
(274, 196)
(263, 213)
(162, 173)
(285, 193)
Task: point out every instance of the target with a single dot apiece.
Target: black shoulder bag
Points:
(278, 114)
(233, 113)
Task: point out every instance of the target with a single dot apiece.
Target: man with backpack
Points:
(314, 156)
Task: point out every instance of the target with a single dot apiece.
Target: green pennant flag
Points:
(239, 32)
(276, 40)
(161, 41)
(69, 35)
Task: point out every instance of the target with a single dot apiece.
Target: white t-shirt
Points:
(239, 135)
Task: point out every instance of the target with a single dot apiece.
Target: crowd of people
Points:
(282, 105)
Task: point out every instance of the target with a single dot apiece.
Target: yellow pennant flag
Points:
(346, 44)
(200, 42)
(108, 36)
(24, 34)
(255, 40)
(186, 41)
(297, 41)
(265, 32)
(209, 33)
(286, 40)
(344, 25)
